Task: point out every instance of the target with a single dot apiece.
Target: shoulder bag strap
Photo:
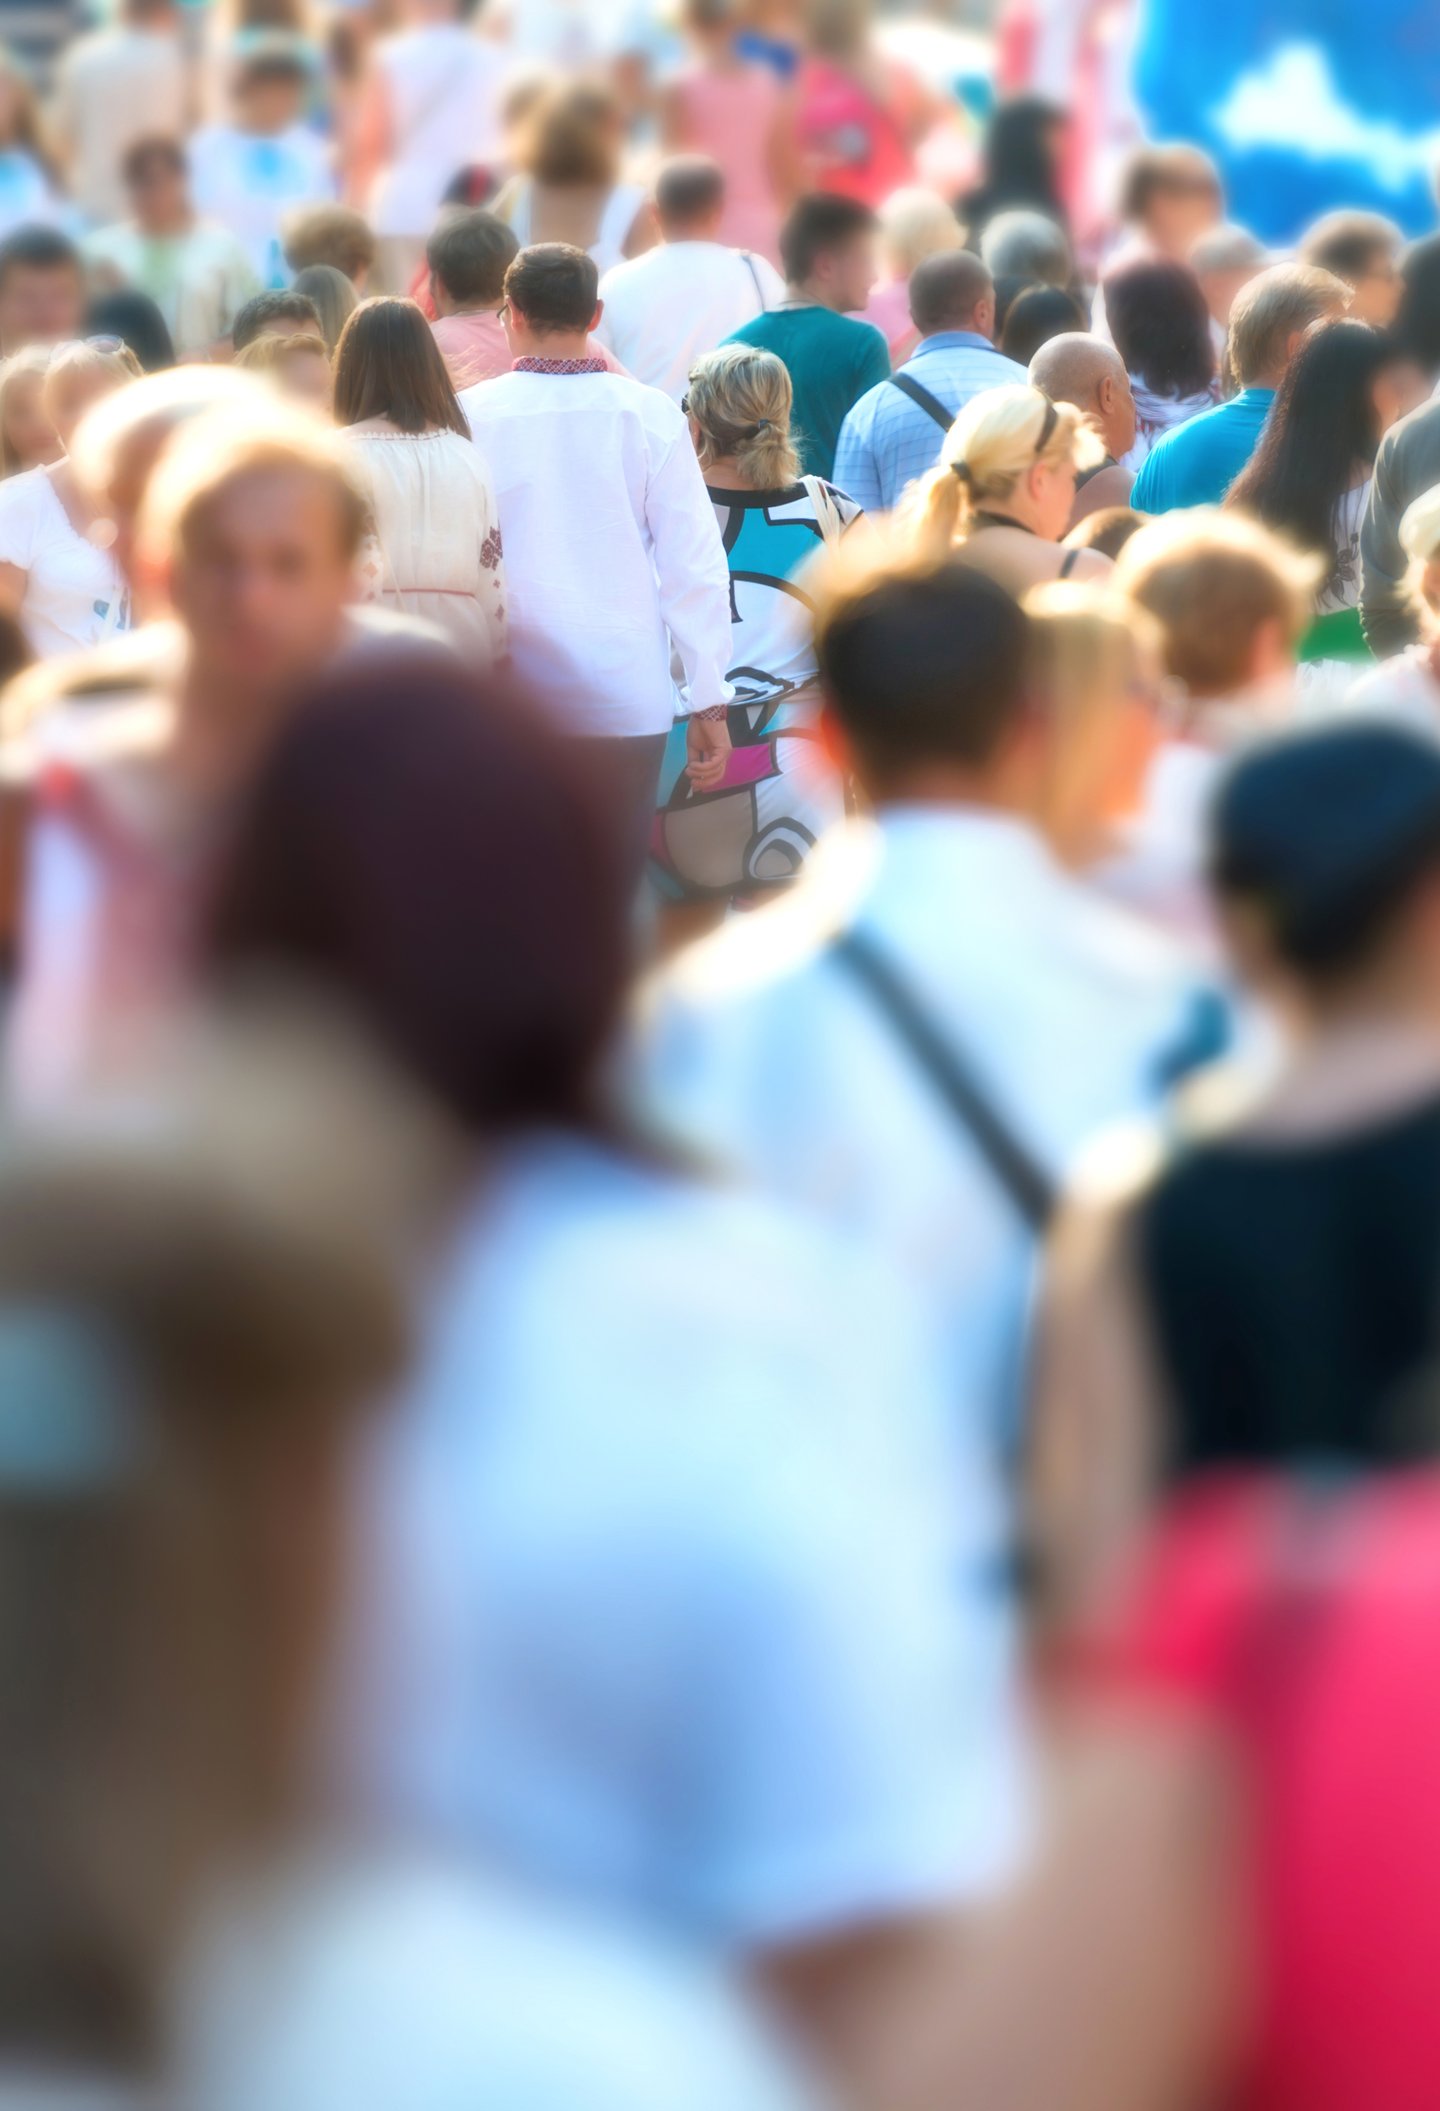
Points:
(747, 259)
(931, 405)
(1024, 1180)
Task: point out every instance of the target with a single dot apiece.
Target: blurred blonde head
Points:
(213, 453)
(1420, 540)
(298, 367)
(23, 424)
(1096, 675)
(80, 374)
(1010, 448)
(915, 224)
(740, 402)
(1232, 599)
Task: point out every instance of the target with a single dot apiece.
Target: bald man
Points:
(1088, 372)
(895, 433)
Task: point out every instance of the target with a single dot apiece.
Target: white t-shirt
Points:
(666, 308)
(445, 86)
(114, 87)
(611, 548)
(251, 184)
(680, 1596)
(75, 594)
(398, 1985)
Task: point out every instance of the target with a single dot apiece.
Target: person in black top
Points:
(1270, 1292)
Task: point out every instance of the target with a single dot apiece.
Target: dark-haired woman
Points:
(434, 547)
(1023, 147)
(1160, 326)
(1310, 475)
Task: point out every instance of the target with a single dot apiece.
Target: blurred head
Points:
(1024, 142)
(269, 90)
(1420, 540)
(19, 109)
(1172, 195)
(1417, 325)
(333, 295)
(1362, 249)
(551, 292)
(249, 532)
(739, 406)
(1224, 259)
(1012, 452)
(468, 258)
(1025, 244)
(119, 441)
(838, 29)
(192, 1324)
(1089, 373)
(1325, 859)
(1232, 600)
(299, 367)
(1037, 315)
(574, 137)
(952, 290)
(157, 182)
(381, 845)
(924, 675)
(829, 250)
(711, 22)
(1096, 675)
(1106, 530)
(915, 224)
(42, 289)
(79, 375)
(690, 198)
(389, 366)
(1161, 327)
(134, 318)
(1271, 316)
(285, 313)
(336, 235)
(27, 438)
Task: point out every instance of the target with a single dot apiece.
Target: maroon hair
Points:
(419, 847)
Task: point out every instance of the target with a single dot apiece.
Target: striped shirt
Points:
(887, 441)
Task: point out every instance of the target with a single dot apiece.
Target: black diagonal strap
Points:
(948, 1068)
(928, 403)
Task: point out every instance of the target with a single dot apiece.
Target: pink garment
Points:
(730, 115)
(852, 143)
(475, 348)
(889, 311)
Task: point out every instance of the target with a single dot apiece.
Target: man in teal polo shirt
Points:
(1196, 464)
(828, 249)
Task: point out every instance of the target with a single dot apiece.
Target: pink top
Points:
(853, 143)
(475, 348)
(730, 114)
(889, 311)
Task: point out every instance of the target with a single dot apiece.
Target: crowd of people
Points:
(630, 673)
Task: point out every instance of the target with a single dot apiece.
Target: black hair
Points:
(1322, 429)
(134, 318)
(1019, 166)
(1034, 317)
(687, 189)
(1417, 325)
(818, 224)
(277, 307)
(554, 286)
(1008, 289)
(470, 255)
(1161, 327)
(925, 666)
(38, 249)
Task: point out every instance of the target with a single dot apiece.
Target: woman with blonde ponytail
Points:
(1002, 496)
(751, 834)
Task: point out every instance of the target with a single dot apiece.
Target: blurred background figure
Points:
(860, 115)
(27, 438)
(1224, 259)
(29, 192)
(1024, 144)
(914, 225)
(1085, 371)
(334, 296)
(250, 170)
(337, 236)
(136, 322)
(734, 110)
(287, 314)
(1364, 250)
(114, 87)
(1160, 326)
(196, 272)
(1021, 243)
(298, 367)
(42, 289)
(569, 187)
(1034, 317)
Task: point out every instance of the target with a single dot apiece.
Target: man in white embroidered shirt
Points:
(613, 556)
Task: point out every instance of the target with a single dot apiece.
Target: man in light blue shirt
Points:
(894, 434)
(1196, 464)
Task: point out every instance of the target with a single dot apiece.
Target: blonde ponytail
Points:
(996, 439)
(741, 399)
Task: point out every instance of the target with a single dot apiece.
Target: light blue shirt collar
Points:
(953, 341)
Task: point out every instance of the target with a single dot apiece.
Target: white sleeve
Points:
(693, 575)
(19, 520)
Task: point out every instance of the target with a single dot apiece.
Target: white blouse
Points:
(435, 548)
(75, 594)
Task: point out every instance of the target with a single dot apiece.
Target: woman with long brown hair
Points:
(434, 544)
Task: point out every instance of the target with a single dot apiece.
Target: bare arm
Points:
(13, 582)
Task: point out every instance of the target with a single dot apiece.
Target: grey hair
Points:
(1024, 244)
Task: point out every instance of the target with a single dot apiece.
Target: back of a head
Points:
(1228, 247)
(283, 309)
(469, 256)
(1417, 325)
(1107, 530)
(1027, 244)
(914, 224)
(816, 225)
(388, 365)
(923, 666)
(1166, 169)
(1215, 580)
(1347, 244)
(1039, 314)
(1070, 367)
(1019, 154)
(947, 290)
(410, 820)
(1161, 326)
(554, 286)
(138, 419)
(1274, 308)
(741, 398)
(337, 235)
(134, 318)
(689, 193)
(573, 137)
(1324, 835)
(334, 296)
